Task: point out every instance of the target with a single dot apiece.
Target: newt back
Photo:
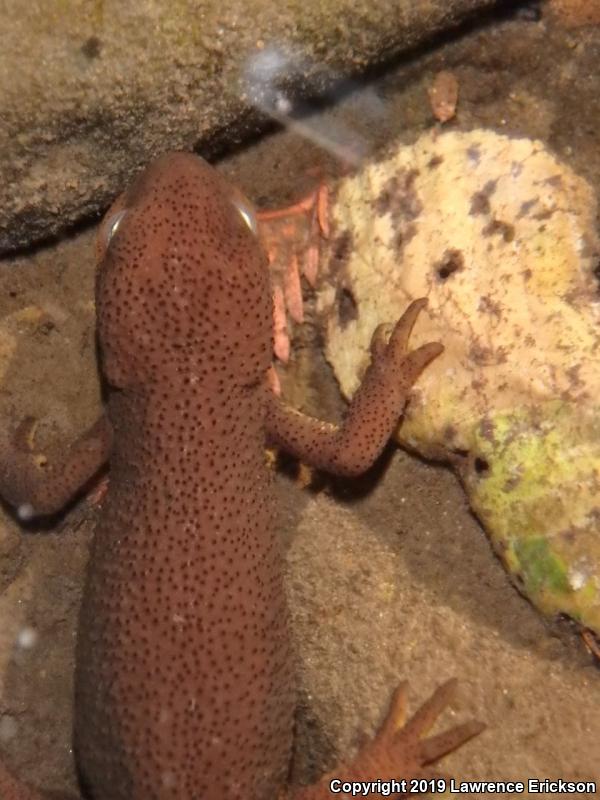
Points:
(183, 678)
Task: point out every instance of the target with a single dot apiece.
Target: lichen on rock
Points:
(500, 236)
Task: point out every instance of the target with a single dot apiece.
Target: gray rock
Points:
(91, 91)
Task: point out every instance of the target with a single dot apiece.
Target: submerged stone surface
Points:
(500, 236)
(90, 92)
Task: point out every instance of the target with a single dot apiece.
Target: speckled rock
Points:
(500, 235)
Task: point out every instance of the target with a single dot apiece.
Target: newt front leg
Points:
(38, 486)
(375, 410)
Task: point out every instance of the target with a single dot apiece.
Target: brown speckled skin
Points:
(184, 684)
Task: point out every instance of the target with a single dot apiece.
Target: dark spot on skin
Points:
(452, 261)
(340, 251)
(346, 307)
(91, 47)
(556, 181)
(435, 161)
(596, 270)
(546, 214)
(526, 207)
(496, 226)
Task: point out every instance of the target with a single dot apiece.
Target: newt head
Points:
(183, 287)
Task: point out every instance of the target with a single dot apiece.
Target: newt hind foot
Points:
(398, 750)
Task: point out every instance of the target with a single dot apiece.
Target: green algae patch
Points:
(538, 498)
(540, 568)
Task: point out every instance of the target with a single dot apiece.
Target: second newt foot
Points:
(399, 748)
(399, 751)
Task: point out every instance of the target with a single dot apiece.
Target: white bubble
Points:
(25, 511)
(27, 638)
(283, 104)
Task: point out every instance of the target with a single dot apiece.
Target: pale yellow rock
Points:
(500, 236)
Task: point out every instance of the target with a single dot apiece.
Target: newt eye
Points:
(111, 225)
(246, 210)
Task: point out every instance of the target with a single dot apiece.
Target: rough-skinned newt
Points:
(184, 686)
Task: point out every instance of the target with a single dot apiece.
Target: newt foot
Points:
(398, 750)
(291, 237)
